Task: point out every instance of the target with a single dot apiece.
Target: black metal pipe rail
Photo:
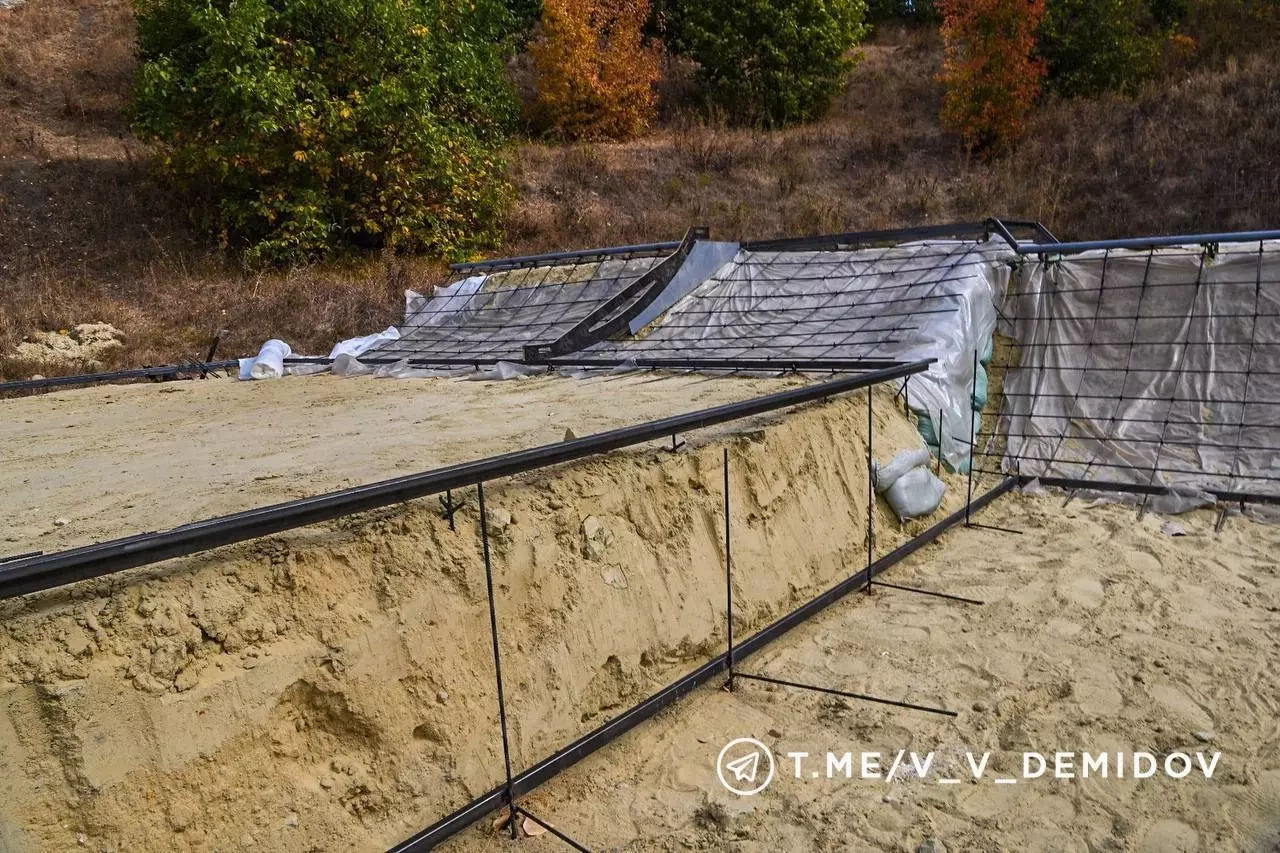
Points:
(1072, 248)
(954, 230)
(851, 239)
(48, 571)
(1041, 231)
(638, 250)
(171, 370)
(1149, 490)
(789, 364)
(589, 743)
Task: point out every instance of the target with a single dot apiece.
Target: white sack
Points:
(917, 492)
(885, 476)
(268, 363)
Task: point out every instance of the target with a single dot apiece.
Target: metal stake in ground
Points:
(497, 657)
(972, 438)
(449, 509)
(938, 469)
(549, 828)
(871, 492)
(728, 571)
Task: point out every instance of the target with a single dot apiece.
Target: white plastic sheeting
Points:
(432, 310)
(704, 259)
(921, 300)
(356, 347)
(933, 299)
(1150, 368)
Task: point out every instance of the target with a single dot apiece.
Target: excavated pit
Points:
(333, 688)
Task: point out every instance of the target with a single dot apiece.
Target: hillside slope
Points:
(86, 235)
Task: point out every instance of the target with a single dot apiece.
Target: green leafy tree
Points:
(903, 10)
(295, 128)
(1094, 46)
(772, 62)
(524, 17)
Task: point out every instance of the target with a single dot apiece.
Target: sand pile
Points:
(99, 456)
(336, 683)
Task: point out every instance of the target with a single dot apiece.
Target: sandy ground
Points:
(114, 460)
(1099, 633)
(332, 689)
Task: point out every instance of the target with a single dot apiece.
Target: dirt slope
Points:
(332, 689)
(86, 235)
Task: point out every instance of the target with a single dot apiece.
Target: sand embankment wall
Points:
(337, 682)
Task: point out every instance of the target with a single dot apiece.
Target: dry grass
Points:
(1194, 154)
(86, 236)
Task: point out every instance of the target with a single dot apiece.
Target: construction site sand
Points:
(82, 466)
(336, 682)
(332, 689)
(1100, 632)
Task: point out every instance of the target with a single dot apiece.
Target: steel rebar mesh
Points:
(1157, 368)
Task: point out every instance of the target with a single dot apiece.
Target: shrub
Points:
(771, 62)
(524, 16)
(991, 74)
(1095, 46)
(1233, 28)
(903, 10)
(294, 128)
(595, 69)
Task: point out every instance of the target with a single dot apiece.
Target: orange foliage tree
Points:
(594, 69)
(992, 75)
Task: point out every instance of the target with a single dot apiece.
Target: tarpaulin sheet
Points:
(922, 300)
(1148, 368)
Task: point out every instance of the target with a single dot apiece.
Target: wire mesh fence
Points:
(1150, 370)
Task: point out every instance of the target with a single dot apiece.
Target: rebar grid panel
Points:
(492, 316)
(799, 306)
(1156, 371)
(814, 305)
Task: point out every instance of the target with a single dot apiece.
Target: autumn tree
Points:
(991, 72)
(595, 69)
